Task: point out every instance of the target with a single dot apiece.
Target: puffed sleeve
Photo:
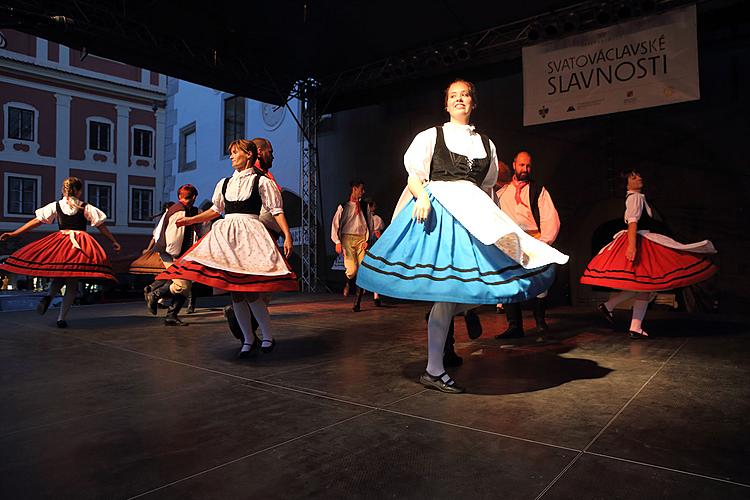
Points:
(633, 208)
(95, 216)
(270, 196)
(217, 199)
(491, 178)
(48, 213)
(418, 157)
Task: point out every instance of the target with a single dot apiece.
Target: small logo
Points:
(543, 111)
(571, 108)
(630, 93)
(668, 91)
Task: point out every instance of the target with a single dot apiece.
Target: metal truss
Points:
(309, 179)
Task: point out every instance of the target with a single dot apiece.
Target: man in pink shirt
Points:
(530, 206)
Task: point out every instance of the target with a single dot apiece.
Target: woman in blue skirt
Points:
(448, 242)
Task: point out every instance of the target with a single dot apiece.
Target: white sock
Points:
(242, 313)
(437, 331)
(260, 311)
(71, 287)
(619, 299)
(640, 306)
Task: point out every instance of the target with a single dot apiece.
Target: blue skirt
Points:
(440, 261)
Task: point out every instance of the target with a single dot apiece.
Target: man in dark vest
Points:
(171, 242)
(530, 206)
(351, 228)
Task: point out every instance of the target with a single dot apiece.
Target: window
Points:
(141, 204)
(100, 195)
(234, 120)
(99, 136)
(20, 124)
(142, 142)
(22, 195)
(188, 148)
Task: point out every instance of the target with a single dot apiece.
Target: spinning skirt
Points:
(237, 255)
(656, 267)
(148, 263)
(62, 254)
(440, 261)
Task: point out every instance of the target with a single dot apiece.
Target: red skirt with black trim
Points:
(656, 267)
(226, 280)
(57, 256)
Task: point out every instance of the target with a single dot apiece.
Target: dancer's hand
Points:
(6, 236)
(339, 250)
(422, 208)
(288, 246)
(364, 246)
(630, 253)
(184, 221)
(116, 246)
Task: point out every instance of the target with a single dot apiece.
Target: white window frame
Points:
(7, 141)
(6, 192)
(91, 152)
(134, 157)
(130, 203)
(111, 215)
(182, 165)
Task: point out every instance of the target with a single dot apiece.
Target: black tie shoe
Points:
(268, 348)
(606, 314)
(443, 383)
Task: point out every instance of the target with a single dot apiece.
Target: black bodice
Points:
(449, 166)
(77, 221)
(251, 205)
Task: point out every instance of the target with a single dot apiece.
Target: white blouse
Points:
(460, 139)
(634, 205)
(239, 188)
(48, 213)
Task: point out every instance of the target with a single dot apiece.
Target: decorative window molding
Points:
(27, 207)
(141, 206)
(188, 157)
(94, 193)
(102, 150)
(142, 153)
(19, 144)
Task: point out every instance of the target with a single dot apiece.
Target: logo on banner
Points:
(543, 111)
(571, 108)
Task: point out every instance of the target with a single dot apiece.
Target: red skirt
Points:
(656, 267)
(148, 263)
(56, 256)
(227, 280)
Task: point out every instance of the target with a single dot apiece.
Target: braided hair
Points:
(70, 188)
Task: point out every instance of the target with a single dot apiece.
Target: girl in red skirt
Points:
(67, 255)
(238, 254)
(641, 262)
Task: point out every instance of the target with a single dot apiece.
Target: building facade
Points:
(67, 113)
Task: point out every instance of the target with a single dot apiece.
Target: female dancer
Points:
(238, 255)
(66, 255)
(451, 244)
(641, 262)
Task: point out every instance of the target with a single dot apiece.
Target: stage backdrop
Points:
(638, 64)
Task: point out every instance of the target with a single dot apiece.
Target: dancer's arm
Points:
(422, 206)
(26, 227)
(630, 253)
(107, 234)
(284, 226)
(149, 247)
(205, 216)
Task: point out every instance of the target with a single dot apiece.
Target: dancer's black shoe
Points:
(473, 325)
(268, 348)
(512, 332)
(62, 323)
(606, 313)
(442, 383)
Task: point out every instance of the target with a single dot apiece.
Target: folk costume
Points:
(661, 263)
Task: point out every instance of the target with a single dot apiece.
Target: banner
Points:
(637, 64)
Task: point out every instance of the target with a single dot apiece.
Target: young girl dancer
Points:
(641, 262)
(238, 255)
(67, 255)
(450, 243)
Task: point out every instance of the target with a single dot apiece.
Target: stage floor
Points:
(119, 406)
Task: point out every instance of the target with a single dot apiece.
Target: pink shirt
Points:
(521, 213)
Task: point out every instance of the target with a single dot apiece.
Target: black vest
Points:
(449, 166)
(77, 221)
(188, 235)
(251, 205)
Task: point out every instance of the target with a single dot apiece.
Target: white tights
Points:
(437, 331)
(640, 305)
(71, 287)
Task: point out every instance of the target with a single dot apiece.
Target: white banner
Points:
(638, 64)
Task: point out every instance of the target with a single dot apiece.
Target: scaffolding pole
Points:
(309, 179)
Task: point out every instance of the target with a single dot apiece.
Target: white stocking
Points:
(260, 311)
(71, 287)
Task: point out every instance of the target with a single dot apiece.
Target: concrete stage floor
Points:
(119, 406)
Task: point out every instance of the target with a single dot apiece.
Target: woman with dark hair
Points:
(448, 242)
(67, 255)
(238, 255)
(640, 261)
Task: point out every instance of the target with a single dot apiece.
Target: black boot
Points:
(174, 309)
(356, 307)
(450, 358)
(539, 308)
(191, 303)
(473, 325)
(515, 323)
(157, 293)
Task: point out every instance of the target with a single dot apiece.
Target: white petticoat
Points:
(476, 211)
(241, 244)
(704, 246)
